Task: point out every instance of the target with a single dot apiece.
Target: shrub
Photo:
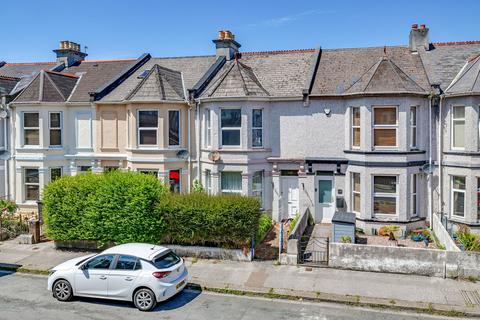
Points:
(294, 223)
(385, 231)
(470, 241)
(264, 225)
(116, 206)
(346, 239)
(201, 219)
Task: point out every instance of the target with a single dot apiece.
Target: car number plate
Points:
(181, 283)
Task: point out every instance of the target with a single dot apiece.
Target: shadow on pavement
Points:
(7, 269)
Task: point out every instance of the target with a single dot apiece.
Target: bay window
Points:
(257, 128)
(385, 126)
(31, 183)
(413, 127)
(458, 127)
(31, 129)
(257, 186)
(413, 195)
(55, 128)
(208, 128)
(147, 127)
(173, 128)
(231, 182)
(356, 194)
(458, 196)
(385, 195)
(355, 127)
(231, 123)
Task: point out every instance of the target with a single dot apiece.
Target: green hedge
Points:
(125, 207)
(201, 219)
(117, 206)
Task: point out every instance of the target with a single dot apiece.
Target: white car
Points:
(138, 272)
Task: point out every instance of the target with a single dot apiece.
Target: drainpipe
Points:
(439, 157)
(430, 175)
(5, 145)
(189, 150)
(199, 140)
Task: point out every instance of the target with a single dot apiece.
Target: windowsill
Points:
(154, 149)
(384, 151)
(462, 153)
(30, 203)
(240, 149)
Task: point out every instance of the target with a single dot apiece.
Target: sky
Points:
(31, 29)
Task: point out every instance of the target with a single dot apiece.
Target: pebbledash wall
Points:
(426, 262)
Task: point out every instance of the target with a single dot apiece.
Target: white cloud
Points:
(279, 21)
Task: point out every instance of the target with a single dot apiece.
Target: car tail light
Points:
(161, 274)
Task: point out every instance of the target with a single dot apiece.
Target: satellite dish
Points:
(3, 114)
(183, 154)
(427, 168)
(5, 155)
(214, 156)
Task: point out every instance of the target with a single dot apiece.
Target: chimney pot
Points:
(225, 45)
(69, 53)
(221, 35)
(422, 26)
(228, 35)
(414, 26)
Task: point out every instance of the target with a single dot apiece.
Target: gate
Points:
(313, 250)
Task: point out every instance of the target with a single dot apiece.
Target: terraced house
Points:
(389, 133)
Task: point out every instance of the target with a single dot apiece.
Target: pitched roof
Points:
(445, 60)
(191, 68)
(384, 76)
(467, 80)
(7, 84)
(20, 70)
(48, 86)
(159, 84)
(271, 73)
(236, 80)
(94, 74)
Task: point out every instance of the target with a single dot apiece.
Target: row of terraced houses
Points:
(390, 133)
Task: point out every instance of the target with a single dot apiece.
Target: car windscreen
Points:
(166, 260)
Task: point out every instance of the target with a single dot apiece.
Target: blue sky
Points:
(124, 29)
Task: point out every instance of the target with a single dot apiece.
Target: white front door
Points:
(290, 196)
(325, 199)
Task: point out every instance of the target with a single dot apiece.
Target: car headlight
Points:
(51, 272)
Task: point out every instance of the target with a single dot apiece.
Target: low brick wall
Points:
(426, 262)
(210, 252)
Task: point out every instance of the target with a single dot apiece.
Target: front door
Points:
(325, 204)
(290, 195)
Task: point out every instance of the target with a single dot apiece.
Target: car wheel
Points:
(62, 290)
(144, 299)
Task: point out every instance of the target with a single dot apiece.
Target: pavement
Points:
(395, 291)
(25, 297)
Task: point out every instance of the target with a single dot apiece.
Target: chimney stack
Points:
(418, 38)
(226, 45)
(69, 53)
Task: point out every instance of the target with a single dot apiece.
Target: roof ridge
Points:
(27, 63)
(455, 43)
(252, 53)
(9, 78)
(108, 60)
(61, 73)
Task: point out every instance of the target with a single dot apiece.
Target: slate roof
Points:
(445, 60)
(25, 72)
(192, 69)
(468, 79)
(7, 84)
(48, 86)
(236, 80)
(271, 73)
(159, 84)
(340, 69)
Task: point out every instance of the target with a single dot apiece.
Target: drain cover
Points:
(471, 298)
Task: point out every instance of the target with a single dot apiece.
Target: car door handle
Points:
(128, 279)
(103, 277)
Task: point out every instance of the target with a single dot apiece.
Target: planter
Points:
(83, 245)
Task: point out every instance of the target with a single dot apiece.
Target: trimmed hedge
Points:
(116, 206)
(125, 207)
(200, 219)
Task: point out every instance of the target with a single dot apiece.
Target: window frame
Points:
(262, 186)
(149, 171)
(179, 129)
(208, 128)
(385, 127)
(208, 181)
(356, 192)
(30, 128)
(257, 128)
(147, 129)
(239, 129)
(50, 172)
(414, 195)
(227, 191)
(353, 127)
(25, 183)
(59, 128)
(385, 195)
(452, 129)
(452, 196)
(413, 122)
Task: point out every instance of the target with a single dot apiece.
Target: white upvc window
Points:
(257, 128)
(257, 186)
(208, 128)
(31, 184)
(458, 127)
(55, 173)
(413, 128)
(147, 127)
(355, 124)
(458, 196)
(231, 124)
(208, 181)
(414, 195)
(356, 192)
(173, 128)
(385, 125)
(31, 129)
(231, 182)
(55, 128)
(385, 195)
